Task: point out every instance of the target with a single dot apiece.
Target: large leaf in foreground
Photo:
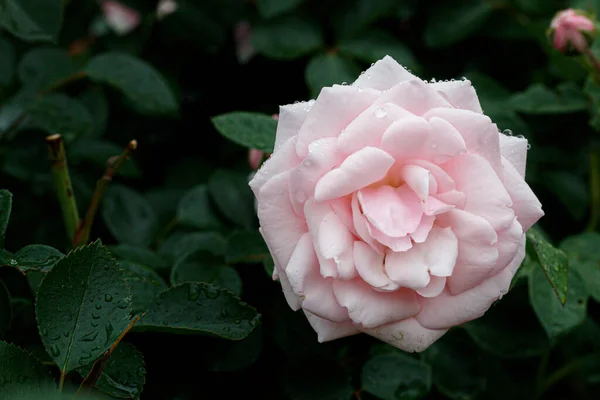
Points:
(21, 374)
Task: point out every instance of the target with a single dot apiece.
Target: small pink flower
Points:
(166, 7)
(243, 42)
(571, 28)
(119, 17)
(255, 156)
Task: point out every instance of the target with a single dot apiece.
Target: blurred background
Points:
(211, 57)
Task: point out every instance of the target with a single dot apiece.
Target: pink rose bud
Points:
(255, 157)
(121, 19)
(166, 7)
(394, 207)
(572, 29)
(243, 42)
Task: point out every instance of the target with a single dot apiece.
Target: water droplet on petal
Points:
(380, 112)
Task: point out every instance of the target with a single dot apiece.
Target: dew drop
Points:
(90, 337)
(508, 132)
(226, 329)
(193, 292)
(94, 324)
(66, 333)
(108, 298)
(165, 322)
(433, 145)
(13, 262)
(98, 306)
(198, 317)
(54, 350)
(528, 146)
(224, 313)
(211, 292)
(380, 112)
(95, 315)
(109, 330)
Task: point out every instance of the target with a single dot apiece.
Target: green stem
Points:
(82, 236)
(594, 189)
(62, 184)
(61, 382)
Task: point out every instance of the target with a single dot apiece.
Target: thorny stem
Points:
(62, 183)
(82, 235)
(90, 380)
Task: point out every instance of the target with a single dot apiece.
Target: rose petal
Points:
(367, 129)
(440, 251)
(336, 243)
(418, 178)
(407, 335)
(525, 204)
(281, 227)
(361, 225)
(382, 75)
(284, 160)
(514, 149)
(394, 243)
(443, 181)
(422, 231)
(485, 194)
(433, 206)
(315, 213)
(333, 110)
(445, 310)
(303, 262)
(414, 137)
(434, 288)
(327, 330)
(360, 169)
(369, 265)
(414, 96)
(460, 93)
(320, 300)
(407, 268)
(291, 118)
(370, 308)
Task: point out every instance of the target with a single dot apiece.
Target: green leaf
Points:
(97, 104)
(5, 309)
(202, 266)
(139, 255)
(37, 257)
(145, 284)
(452, 22)
(245, 247)
(141, 84)
(554, 263)
(592, 90)
(252, 130)
(97, 152)
(57, 112)
(584, 257)
(356, 15)
(396, 376)
(179, 245)
(5, 208)
(129, 216)
(226, 356)
(316, 378)
(32, 20)
(570, 188)
(124, 375)
(196, 211)
(372, 46)
(7, 62)
(82, 306)
(269, 265)
(43, 66)
(538, 99)
(200, 308)
(233, 197)
(21, 374)
(556, 318)
(272, 8)
(507, 334)
(327, 69)
(287, 37)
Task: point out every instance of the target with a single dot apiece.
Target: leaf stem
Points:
(90, 380)
(82, 235)
(61, 382)
(62, 184)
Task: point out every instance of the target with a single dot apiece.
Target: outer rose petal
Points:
(407, 335)
(320, 300)
(281, 227)
(415, 96)
(360, 169)
(327, 330)
(291, 118)
(445, 311)
(526, 205)
(333, 110)
(514, 149)
(369, 265)
(461, 94)
(384, 74)
(284, 160)
(370, 308)
(303, 263)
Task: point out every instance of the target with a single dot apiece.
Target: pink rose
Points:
(120, 18)
(165, 8)
(571, 29)
(243, 42)
(394, 207)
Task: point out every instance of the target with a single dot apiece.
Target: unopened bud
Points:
(572, 31)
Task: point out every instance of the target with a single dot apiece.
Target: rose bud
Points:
(120, 18)
(243, 42)
(166, 7)
(571, 31)
(394, 207)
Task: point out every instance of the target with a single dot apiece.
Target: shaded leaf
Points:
(396, 376)
(145, 284)
(538, 99)
(269, 265)
(327, 69)
(139, 255)
(554, 263)
(97, 152)
(286, 38)
(82, 306)
(355, 15)
(21, 374)
(7, 62)
(38, 257)
(200, 308)
(5, 309)
(312, 378)
(143, 86)
(246, 247)
(584, 257)
(233, 356)
(129, 216)
(252, 130)
(32, 20)
(180, 244)
(202, 266)
(43, 66)
(233, 197)
(97, 104)
(5, 209)
(195, 210)
(272, 8)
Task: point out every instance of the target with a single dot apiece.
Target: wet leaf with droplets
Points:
(233, 197)
(249, 129)
(554, 263)
(81, 296)
(584, 257)
(245, 247)
(202, 266)
(21, 374)
(124, 374)
(197, 308)
(396, 376)
(145, 285)
(139, 255)
(37, 256)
